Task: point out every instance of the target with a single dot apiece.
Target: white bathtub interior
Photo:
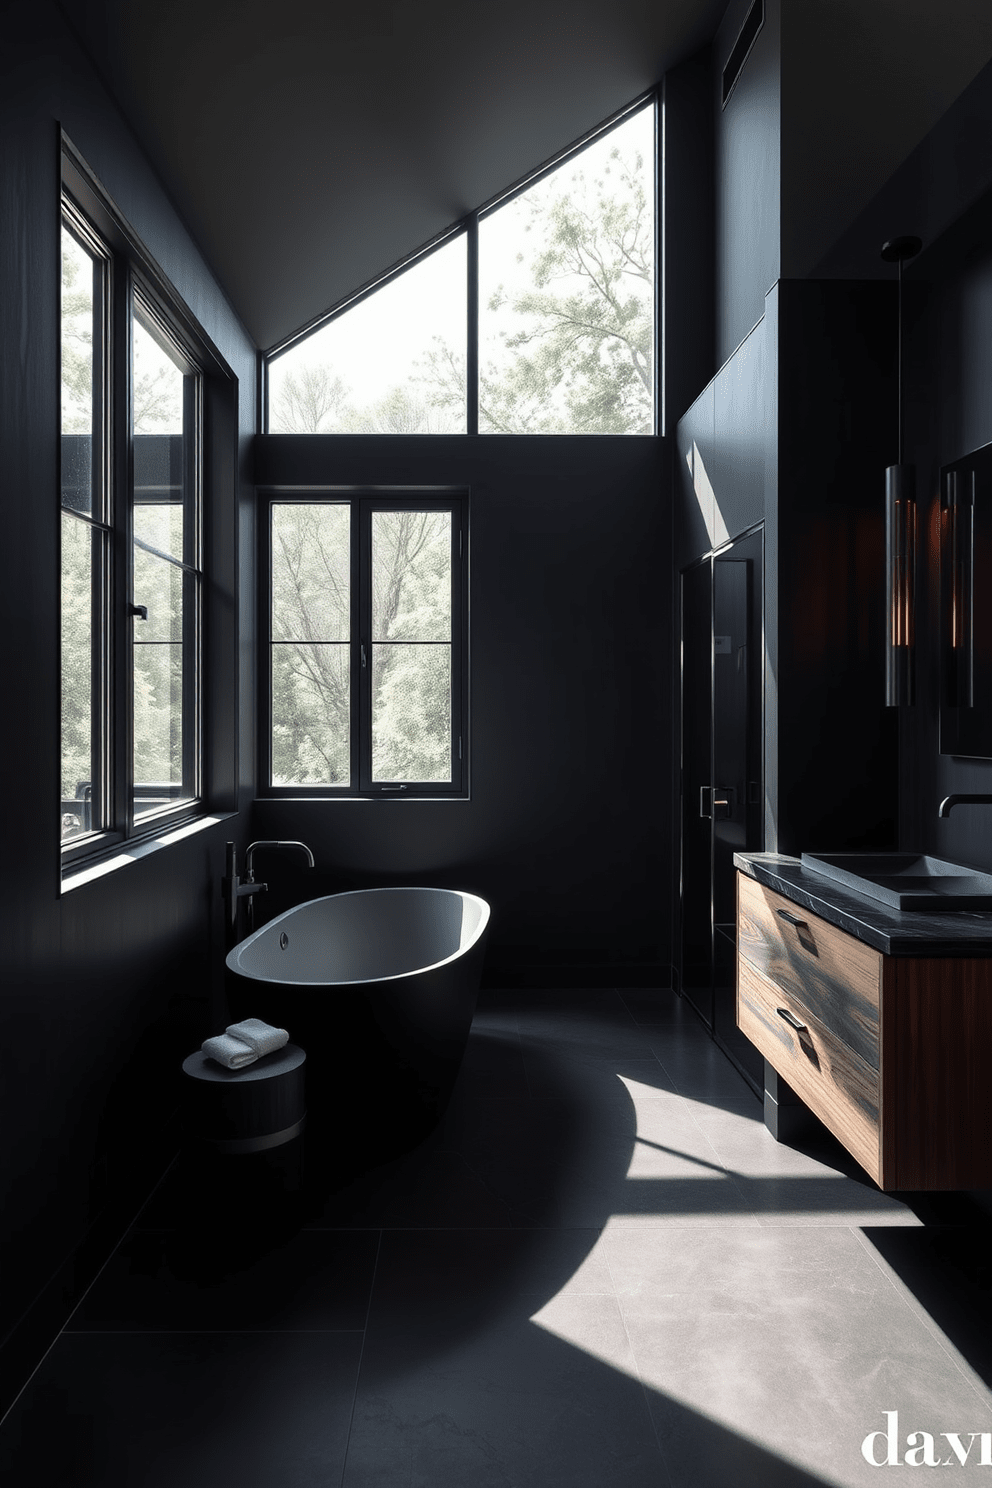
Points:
(364, 936)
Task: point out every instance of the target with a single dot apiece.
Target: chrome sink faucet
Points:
(944, 809)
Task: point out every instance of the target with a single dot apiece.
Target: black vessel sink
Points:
(906, 880)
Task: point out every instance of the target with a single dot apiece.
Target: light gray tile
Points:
(815, 1183)
(698, 1068)
(590, 1077)
(785, 1337)
(459, 1386)
(942, 1274)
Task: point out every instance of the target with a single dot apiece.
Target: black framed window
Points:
(131, 543)
(365, 685)
(535, 314)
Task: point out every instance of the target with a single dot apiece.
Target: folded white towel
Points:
(261, 1037)
(232, 1053)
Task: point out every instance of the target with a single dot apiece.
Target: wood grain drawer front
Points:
(837, 1086)
(834, 976)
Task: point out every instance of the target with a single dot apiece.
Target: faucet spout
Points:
(944, 809)
(251, 850)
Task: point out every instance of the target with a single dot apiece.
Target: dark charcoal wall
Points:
(949, 319)
(102, 988)
(748, 177)
(834, 743)
(688, 259)
(568, 830)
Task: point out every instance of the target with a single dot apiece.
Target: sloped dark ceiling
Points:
(309, 146)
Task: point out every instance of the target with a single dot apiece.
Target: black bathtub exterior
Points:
(382, 1056)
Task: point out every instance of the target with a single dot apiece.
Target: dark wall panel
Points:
(687, 214)
(740, 438)
(949, 414)
(748, 177)
(102, 988)
(836, 745)
(568, 830)
(695, 458)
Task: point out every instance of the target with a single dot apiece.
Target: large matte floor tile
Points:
(662, 1008)
(668, 1173)
(462, 1284)
(944, 1273)
(814, 1181)
(568, 1073)
(433, 1187)
(163, 1410)
(493, 1065)
(698, 1068)
(459, 1386)
(785, 1337)
(544, 1156)
(179, 1281)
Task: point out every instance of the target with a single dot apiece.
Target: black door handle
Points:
(792, 1021)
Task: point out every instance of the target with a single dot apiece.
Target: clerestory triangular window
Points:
(563, 341)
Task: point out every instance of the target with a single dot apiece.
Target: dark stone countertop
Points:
(894, 932)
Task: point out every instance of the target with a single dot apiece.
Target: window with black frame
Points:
(535, 314)
(366, 676)
(131, 462)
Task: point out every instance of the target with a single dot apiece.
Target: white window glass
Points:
(84, 538)
(566, 295)
(392, 364)
(164, 575)
(411, 646)
(311, 632)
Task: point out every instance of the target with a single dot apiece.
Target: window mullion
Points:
(191, 641)
(119, 578)
(362, 612)
(472, 329)
(457, 681)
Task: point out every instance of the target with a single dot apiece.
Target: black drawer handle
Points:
(791, 918)
(792, 1021)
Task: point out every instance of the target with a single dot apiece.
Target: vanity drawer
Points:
(830, 973)
(824, 1072)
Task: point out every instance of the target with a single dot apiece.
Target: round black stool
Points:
(246, 1110)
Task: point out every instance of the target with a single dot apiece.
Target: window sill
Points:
(120, 857)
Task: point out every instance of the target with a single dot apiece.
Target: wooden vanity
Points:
(884, 1031)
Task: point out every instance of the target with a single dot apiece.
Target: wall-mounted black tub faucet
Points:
(944, 809)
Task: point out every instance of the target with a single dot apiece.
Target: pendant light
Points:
(900, 530)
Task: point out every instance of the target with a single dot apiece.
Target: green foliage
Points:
(309, 401)
(411, 614)
(312, 400)
(572, 351)
(77, 337)
(77, 754)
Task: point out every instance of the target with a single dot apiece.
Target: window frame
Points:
(135, 285)
(469, 226)
(363, 502)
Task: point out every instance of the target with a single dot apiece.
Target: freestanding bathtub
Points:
(379, 987)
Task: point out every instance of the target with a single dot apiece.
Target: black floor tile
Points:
(186, 1281)
(179, 1410)
(518, 1408)
(461, 1385)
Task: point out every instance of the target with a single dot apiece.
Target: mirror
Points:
(966, 606)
